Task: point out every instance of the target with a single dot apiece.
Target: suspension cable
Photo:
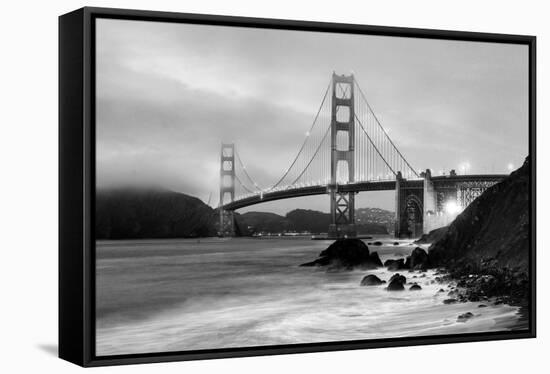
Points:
(385, 133)
(242, 185)
(376, 148)
(305, 140)
(246, 172)
(313, 157)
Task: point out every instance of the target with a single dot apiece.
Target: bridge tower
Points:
(227, 186)
(342, 204)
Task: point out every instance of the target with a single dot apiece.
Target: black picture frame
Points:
(77, 181)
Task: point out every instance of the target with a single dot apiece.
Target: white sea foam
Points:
(244, 292)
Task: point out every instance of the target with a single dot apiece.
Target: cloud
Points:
(168, 95)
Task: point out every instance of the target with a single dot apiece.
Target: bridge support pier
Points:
(227, 187)
(409, 208)
(342, 204)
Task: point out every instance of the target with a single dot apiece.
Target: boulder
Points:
(375, 259)
(347, 254)
(415, 287)
(371, 280)
(395, 265)
(396, 283)
(418, 260)
(377, 243)
(401, 278)
(464, 317)
(450, 301)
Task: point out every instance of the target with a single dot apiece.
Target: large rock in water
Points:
(395, 265)
(371, 280)
(397, 282)
(347, 254)
(418, 260)
(493, 227)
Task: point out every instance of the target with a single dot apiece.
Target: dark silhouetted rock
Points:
(371, 280)
(450, 301)
(418, 260)
(395, 285)
(395, 243)
(395, 265)
(375, 259)
(397, 282)
(491, 237)
(464, 317)
(401, 278)
(377, 243)
(347, 254)
(432, 236)
(482, 306)
(415, 287)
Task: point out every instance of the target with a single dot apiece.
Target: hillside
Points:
(308, 220)
(375, 216)
(151, 213)
(493, 229)
(133, 213)
(252, 222)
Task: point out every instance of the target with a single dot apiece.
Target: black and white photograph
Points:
(287, 186)
(264, 187)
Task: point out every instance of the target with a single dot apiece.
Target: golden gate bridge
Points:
(345, 151)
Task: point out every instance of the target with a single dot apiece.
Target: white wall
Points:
(28, 206)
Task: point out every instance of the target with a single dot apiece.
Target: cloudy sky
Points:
(169, 94)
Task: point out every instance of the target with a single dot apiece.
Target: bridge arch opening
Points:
(414, 216)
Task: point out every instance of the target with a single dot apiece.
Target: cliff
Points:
(494, 228)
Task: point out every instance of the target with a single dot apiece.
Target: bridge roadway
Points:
(382, 185)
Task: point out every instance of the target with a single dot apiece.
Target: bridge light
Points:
(464, 167)
(451, 207)
(510, 167)
(307, 133)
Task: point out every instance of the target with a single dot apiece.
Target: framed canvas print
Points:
(237, 186)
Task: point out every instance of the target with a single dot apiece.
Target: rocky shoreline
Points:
(493, 286)
(483, 255)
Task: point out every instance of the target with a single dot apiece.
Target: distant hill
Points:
(151, 213)
(132, 213)
(308, 220)
(252, 222)
(375, 216)
(297, 220)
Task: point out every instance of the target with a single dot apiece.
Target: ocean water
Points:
(177, 295)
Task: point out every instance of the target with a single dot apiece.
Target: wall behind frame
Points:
(29, 189)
